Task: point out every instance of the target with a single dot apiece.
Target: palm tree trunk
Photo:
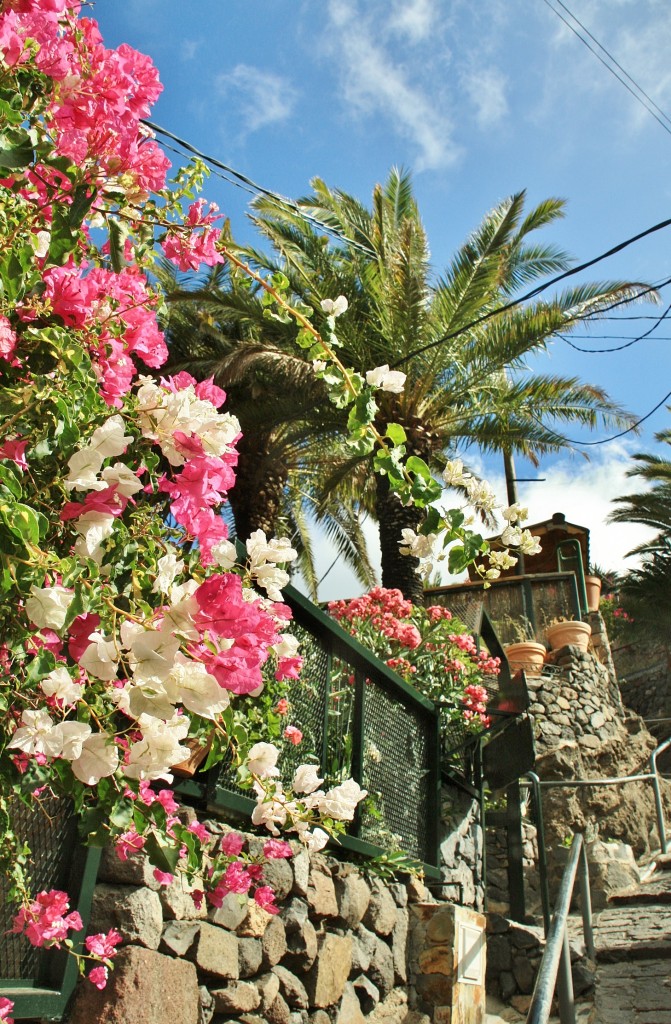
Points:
(398, 571)
(256, 499)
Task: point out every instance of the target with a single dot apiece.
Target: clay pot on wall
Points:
(571, 632)
(526, 655)
(593, 590)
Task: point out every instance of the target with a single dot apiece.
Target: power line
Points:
(608, 67)
(615, 437)
(543, 287)
(619, 348)
(240, 180)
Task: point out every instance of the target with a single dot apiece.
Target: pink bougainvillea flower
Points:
(6, 1007)
(98, 976)
(129, 842)
(163, 877)
(276, 849)
(199, 830)
(293, 734)
(237, 878)
(15, 451)
(232, 844)
(264, 897)
(103, 944)
(282, 706)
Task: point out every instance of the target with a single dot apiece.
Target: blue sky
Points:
(479, 100)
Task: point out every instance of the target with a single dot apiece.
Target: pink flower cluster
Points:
(199, 246)
(475, 704)
(6, 1007)
(48, 919)
(385, 610)
(99, 95)
(243, 876)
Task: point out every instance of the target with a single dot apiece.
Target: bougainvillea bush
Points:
(428, 647)
(129, 635)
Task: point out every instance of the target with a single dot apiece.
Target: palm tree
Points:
(216, 328)
(467, 382)
(646, 591)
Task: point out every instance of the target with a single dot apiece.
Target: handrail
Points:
(555, 966)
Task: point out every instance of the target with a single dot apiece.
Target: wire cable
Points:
(608, 67)
(623, 433)
(248, 185)
(543, 287)
(619, 348)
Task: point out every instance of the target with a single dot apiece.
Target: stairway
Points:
(633, 954)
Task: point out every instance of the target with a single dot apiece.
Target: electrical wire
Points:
(241, 181)
(623, 433)
(598, 56)
(543, 287)
(619, 348)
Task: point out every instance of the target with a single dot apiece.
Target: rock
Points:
(321, 894)
(278, 1012)
(583, 979)
(349, 1011)
(320, 1017)
(325, 981)
(499, 956)
(301, 938)
(274, 942)
(524, 974)
(205, 1005)
(250, 957)
(364, 944)
(255, 921)
(237, 997)
(177, 902)
(399, 893)
(178, 937)
(417, 891)
(135, 870)
(353, 897)
(215, 952)
(381, 970)
(145, 987)
(277, 873)
(380, 916)
(399, 946)
(292, 989)
(367, 993)
(507, 985)
(525, 937)
(301, 866)
(394, 1010)
(268, 986)
(231, 913)
(135, 913)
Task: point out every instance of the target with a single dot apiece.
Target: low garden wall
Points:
(345, 948)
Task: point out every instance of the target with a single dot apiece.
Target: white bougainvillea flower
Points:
(480, 494)
(314, 839)
(146, 696)
(271, 579)
(415, 544)
(123, 478)
(287, 646)
(99, 759)
(60, 685)
(515, 512)
(160, 747)
(191, 685)
(512, 535)
(306, 779)
(109, 440)
(386, 380)
(262, 760)
(261, 550)
(100, 659)
(48, 607)
(335, 307)
(84, 467)
(340, 802)
(36, 735)
(72, 736)
(94, 528)
(224, 554)
(169, 566)
(454, 475)
(528, 544)
(152, 652)
(501, 559)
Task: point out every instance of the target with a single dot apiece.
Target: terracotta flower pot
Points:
(593, 589)
(527, 655)
(575, 633)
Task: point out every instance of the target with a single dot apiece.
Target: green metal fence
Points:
(41, 981)
(363, 721)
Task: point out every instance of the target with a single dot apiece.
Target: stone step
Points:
(632, 932)
(641, 994)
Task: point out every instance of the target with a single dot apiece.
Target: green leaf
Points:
(163, 857)
(10, 480)
(22, 521)
(395, 433)
(419, 467)
(16, 149)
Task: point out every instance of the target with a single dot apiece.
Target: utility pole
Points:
(511, 492)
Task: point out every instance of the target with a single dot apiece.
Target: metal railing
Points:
(555, 967)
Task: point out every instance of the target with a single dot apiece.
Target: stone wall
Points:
(645, 683)
(346, 948)
(498, 896)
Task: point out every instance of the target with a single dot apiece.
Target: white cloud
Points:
(377, 84)
(189, 49)
(261, 97)
(486, 89)
(413, 19)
